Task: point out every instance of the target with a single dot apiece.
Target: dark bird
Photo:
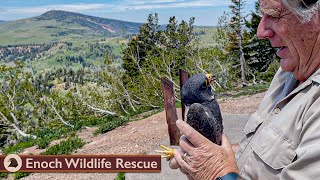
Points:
(13, 162)
(203, 111)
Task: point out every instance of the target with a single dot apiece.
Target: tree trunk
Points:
(242, 59)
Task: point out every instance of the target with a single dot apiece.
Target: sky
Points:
(206, 12)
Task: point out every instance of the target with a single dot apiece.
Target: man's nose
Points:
(264, 29)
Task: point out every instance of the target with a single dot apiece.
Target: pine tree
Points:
(235, 36)
(258, 52)
(139, 47)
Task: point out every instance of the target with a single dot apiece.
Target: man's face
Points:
(298, 42)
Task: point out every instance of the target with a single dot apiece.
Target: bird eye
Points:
(204, 85)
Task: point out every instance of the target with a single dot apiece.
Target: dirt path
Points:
(139, 137)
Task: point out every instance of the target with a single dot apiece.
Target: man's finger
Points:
(189, 177)
(173, 164)
(192, 135)
(183, 171)
(181, 162)
(185, 145)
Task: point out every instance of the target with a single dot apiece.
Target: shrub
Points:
(42, 143)
(65, 147)
(3, 175)
(19, 175)
(120, 176)
(18, 147)
(110, 125)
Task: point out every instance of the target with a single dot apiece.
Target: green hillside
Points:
(59, 39)
(205, 35)
(62, 26)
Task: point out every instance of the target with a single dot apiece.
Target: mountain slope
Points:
(102, 25)
(62, 25)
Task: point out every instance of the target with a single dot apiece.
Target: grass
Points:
(56, 131)
(65, 147)
(19, 175)
(18, 147)
(3, 175)
(242, 91)
(120, 176)
(44, 137)
(110, 125)
(250, 90)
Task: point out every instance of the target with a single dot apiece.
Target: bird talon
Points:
(167, 153)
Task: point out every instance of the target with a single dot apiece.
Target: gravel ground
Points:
(138, 137)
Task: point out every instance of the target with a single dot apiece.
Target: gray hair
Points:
(304, 9)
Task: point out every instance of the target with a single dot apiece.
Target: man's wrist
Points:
(229, 176)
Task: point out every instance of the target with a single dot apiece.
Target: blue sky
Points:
(206, 12)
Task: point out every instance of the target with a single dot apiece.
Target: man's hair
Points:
(304, 9)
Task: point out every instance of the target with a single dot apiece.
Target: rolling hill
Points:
(59, 39)
(62, 26)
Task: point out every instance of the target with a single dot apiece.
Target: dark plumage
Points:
(204, 112)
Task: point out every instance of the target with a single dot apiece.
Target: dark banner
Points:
(80, 163)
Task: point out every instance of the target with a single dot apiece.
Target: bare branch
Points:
(23, 134)
(60, 117)
(14, 118)
(100, 110)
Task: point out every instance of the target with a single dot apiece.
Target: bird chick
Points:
(203, 111)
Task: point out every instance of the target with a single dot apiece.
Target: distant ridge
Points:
(95, 23)
(59, 25)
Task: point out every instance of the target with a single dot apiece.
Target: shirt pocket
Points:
(253, 123)
(273, 149)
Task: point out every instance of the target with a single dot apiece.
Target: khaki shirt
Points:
(282, 139)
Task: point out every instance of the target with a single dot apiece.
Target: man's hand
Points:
(201, 159)
(235, 148)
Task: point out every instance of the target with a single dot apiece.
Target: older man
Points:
(282, 139)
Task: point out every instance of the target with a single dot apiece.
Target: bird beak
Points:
(210, 78)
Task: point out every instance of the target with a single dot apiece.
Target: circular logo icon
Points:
(12, 163)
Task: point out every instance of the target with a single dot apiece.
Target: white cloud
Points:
(161, 4)
(119, 6)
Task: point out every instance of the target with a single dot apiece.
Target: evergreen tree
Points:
(135, 54)
(258, 52)
(236, 38)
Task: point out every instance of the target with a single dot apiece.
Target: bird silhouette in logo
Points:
(13, 163)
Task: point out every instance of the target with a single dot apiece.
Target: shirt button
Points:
(277, 110)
